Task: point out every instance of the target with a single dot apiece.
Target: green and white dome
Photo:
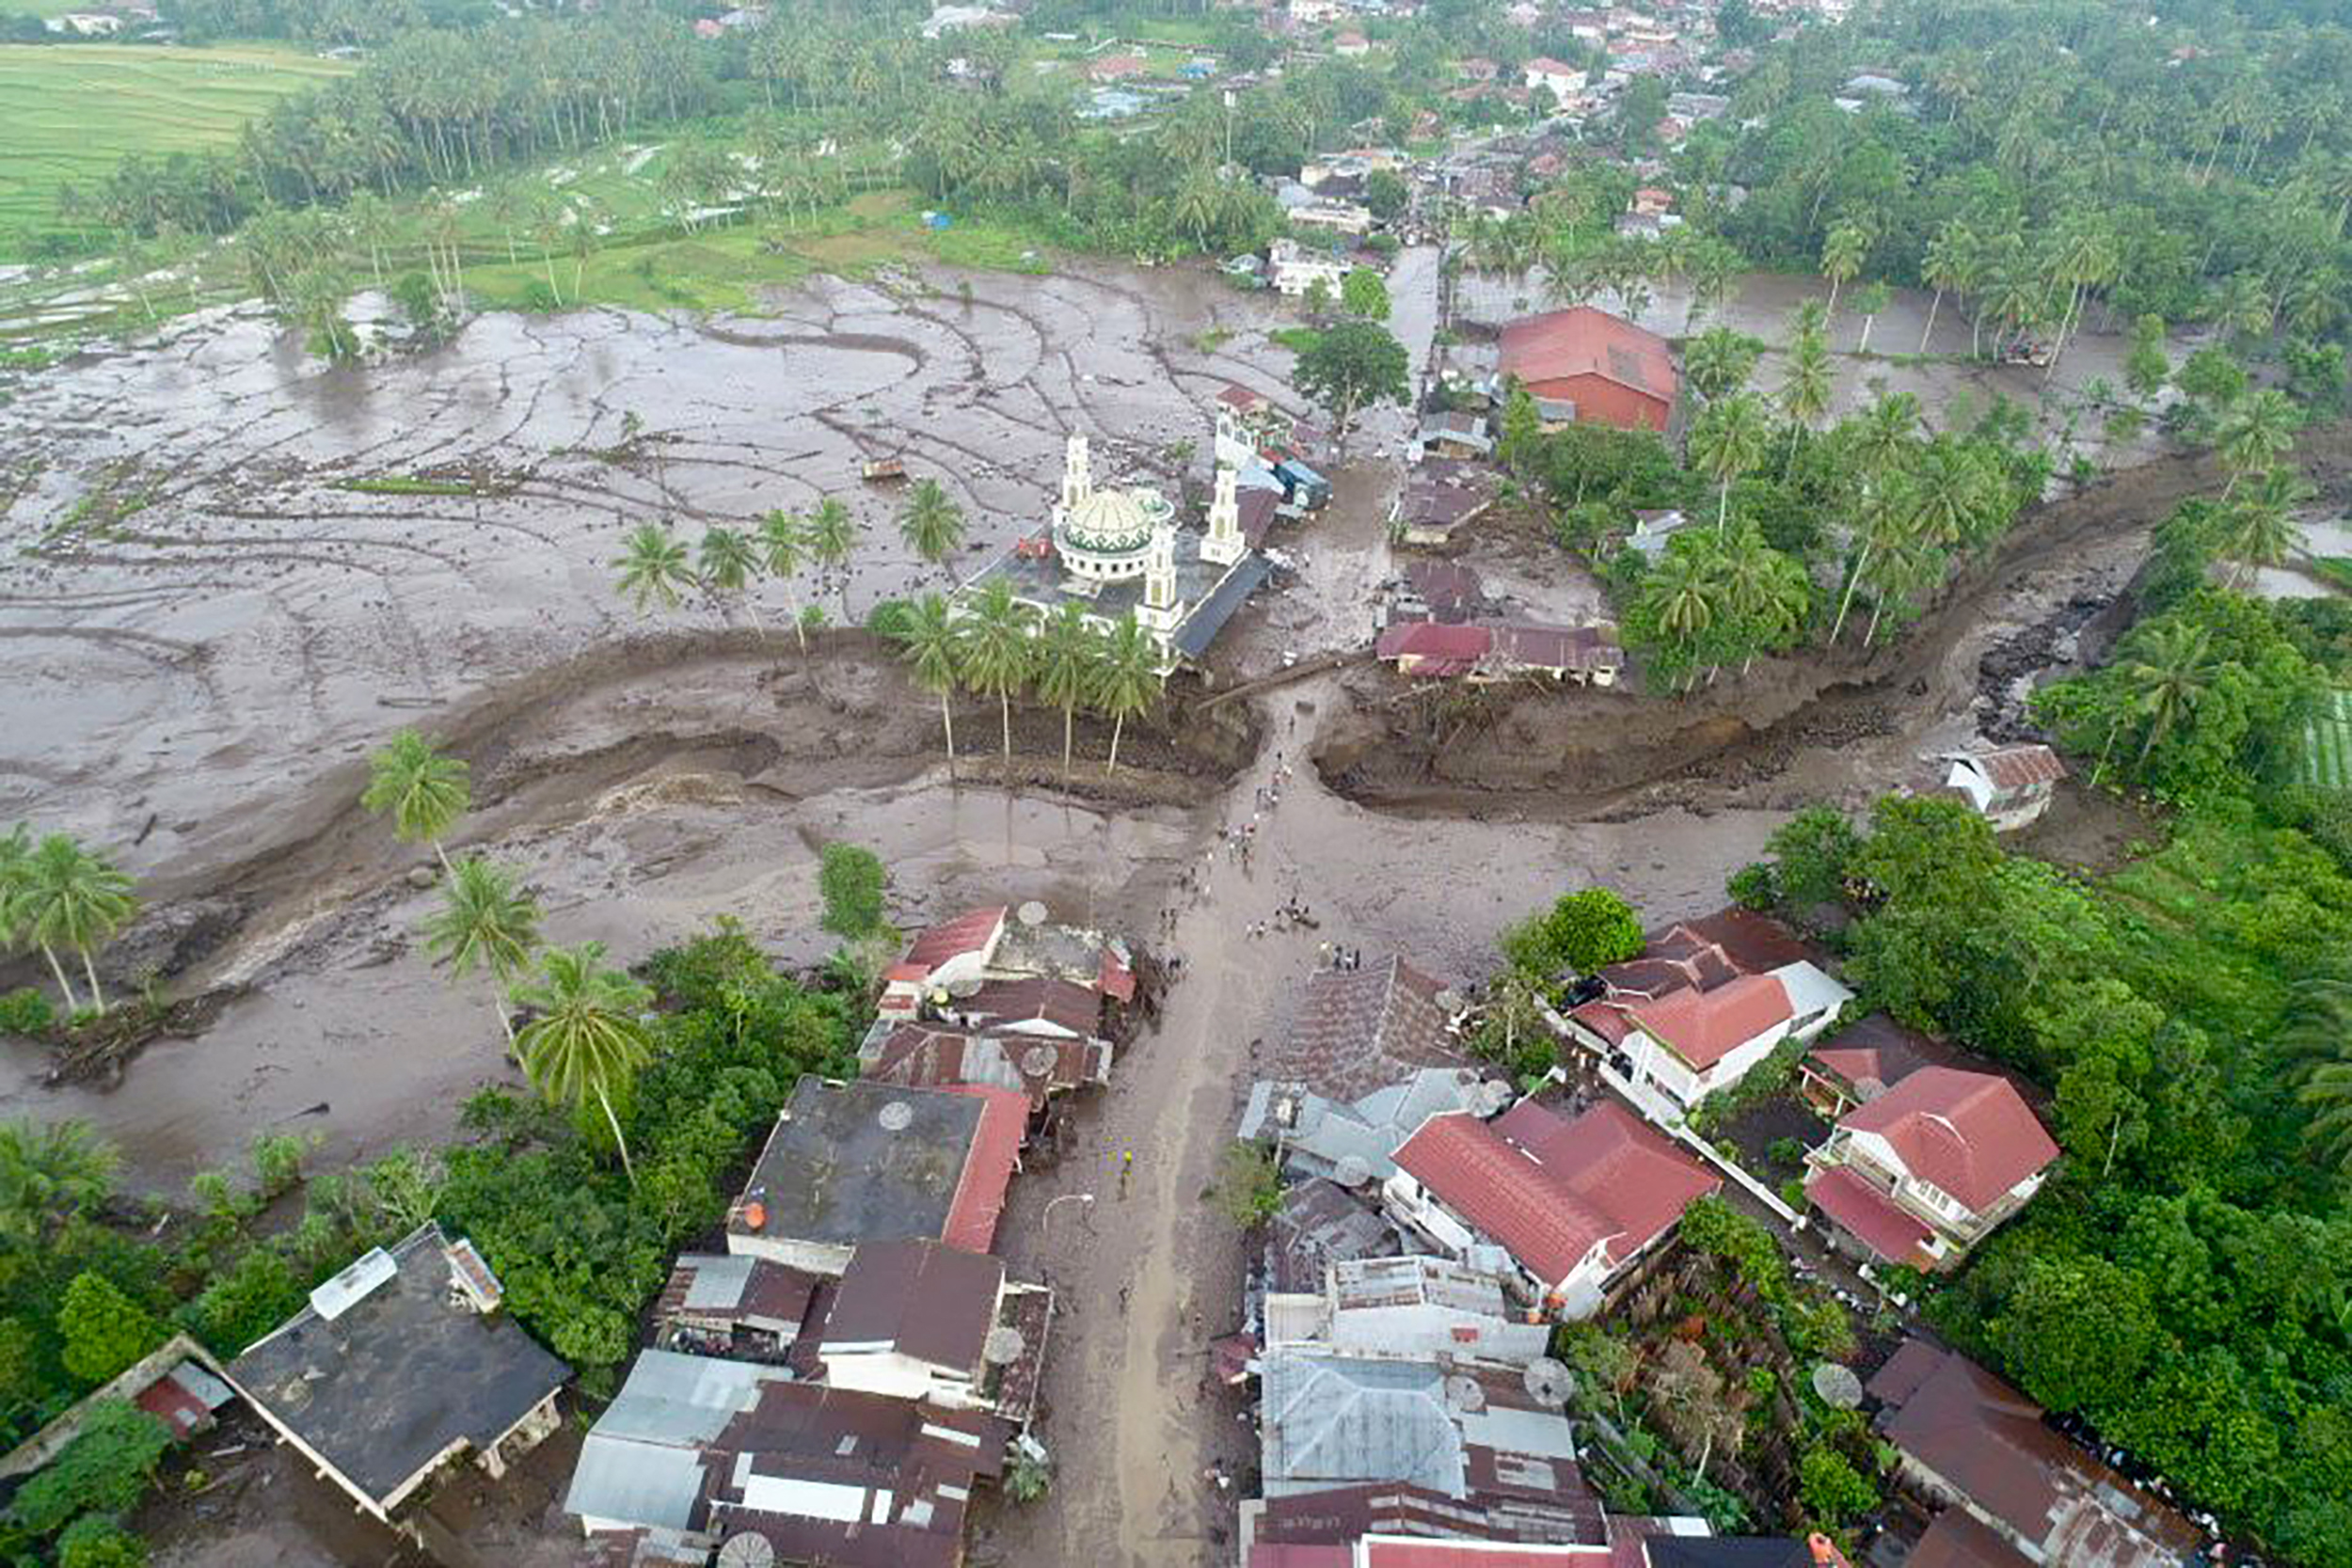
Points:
(1109, 522)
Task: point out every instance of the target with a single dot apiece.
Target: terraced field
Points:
(72, 110)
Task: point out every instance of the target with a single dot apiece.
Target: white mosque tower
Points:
(1161, 611)
(1223, 544)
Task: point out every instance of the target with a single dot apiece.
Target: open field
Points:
(73, 110)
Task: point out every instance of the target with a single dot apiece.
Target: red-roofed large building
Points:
(1572, 1202)
(1611, 370)
(1923, 1172)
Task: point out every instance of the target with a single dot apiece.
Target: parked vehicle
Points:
(878, 469)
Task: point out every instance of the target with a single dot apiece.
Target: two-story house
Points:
(1569, 1204)
(1925, 1171)
(924, 1320)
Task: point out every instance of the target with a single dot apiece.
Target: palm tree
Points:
(934, 526)
(2168, 677)
(1719, 360)
(1068, 651)
(2327, 1093)
(1950, 265)
(782, 539)
(1841, 258)
(932, 640)
(587, 1044)
(730, 565)
(2314, 1041)
(832, 537)
(2256, 432)
(70, 898)
(652, 564)
(49, 1171)
(1804, 392)
(1766, 591)
(16, 855)
(424, 791)
(485, 922)
(2259, 526)
(997, 652)
(1871, 302)
(1885, 438)
(1890, 511)
(1128, 680)
(1727, 441)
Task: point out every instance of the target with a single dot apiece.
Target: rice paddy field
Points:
(2327, 745)
(72, 110)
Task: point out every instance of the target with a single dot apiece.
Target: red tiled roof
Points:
(1969, 1133)
(1550, 67)
(905, 972)
(1703, 1027)
(1588, 342)
(1868, 1214)
(1547, 1190)
(987, 1169)
(1243, 399)
(968, 932)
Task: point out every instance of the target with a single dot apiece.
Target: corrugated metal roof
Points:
(718, 1280)
(677, 1399)
(1332, 1419)
(642, 1484)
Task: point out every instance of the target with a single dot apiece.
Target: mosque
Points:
(1120, 551)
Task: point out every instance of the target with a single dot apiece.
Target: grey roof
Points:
(385, 1389)
(642, 1465)
(1200, 628)
(1329, 1421)
(841, 1168)
(1321, 1223)
(717, 1282)
(1324, 1131)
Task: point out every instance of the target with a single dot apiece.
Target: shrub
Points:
(849, 878)
(103, 1330)
(1248, 1185)
(1832, 1489)
(104, 1471)
(28, 1013)
(888, 618)
(244, 1301)
(95, 1541)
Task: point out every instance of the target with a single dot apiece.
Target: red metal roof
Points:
(1278, 1556)
(1243, 399)
(1588, 342)
(1390, 1552)
(987, 1169)
(1869, 1215)
(2015, 768)
(1969, 1133)
(1704, 1026)
(969, 932)
(1547, 1190)
(1427, 639)
(1115, 978)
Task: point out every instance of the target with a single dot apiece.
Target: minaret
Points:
(1077, 475)
(1224, 544)
(1161, 611)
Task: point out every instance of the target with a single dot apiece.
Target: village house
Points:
(1561, 79)
(1705, 1003)
(1924, 1172)
(1448, 434)
(1436, 497)
(861, 1162)
(1039, 1066)
(1310, 13)
(1351, 45)
(1500, 652)
(1359, 1030)
(1339, 216)
(1297, 269)
(741, 1308)
(401, 1364)
(1118, 552)
(1319, 1224)
(1654, 530)
(1572, 1203)
(1605, 367)
(1863, 1060)
(2010, 787)
(1408, 1308)
(1430, 590)
(1970, 1441)
(1355, 1141)
(924, 1320)
(1115, 68)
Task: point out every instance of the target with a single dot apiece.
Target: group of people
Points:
(1341, 957)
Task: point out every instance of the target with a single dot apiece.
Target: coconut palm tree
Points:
(70, 898)
(2327, 1093)
(1765, 591)
(783, 538)
(48, 1172)
(1804, 392)
(729, 566)
(16, 854)
(931, 641)
(832, 538)
(1872, 302)
(1069, 651)
(1720, 360)
(653, 567)
(1889, 512)
(1886, 436)
(1727, 441)
(485, 922)
(934, 526)
(2167, 675)
(1842, 252)
(997, 652)
(1950, 265)
(1680, 594)
(424, 792)
(588, 1041)
(2256, 432)
(2258, 524)
(1128, 680)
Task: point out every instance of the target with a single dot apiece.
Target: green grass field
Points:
(2327, 745)
(72, 110)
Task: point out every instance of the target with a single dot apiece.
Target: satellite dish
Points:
(1494, 1098)
(1462, 1394)
(1548, 1381)
(897, 1117)
(1868, 1089)
(1038, 1060)
(1031, 913)
(747, 1550)
(1837, 1387)
(1450, 1000)
(1004, 1346)
(964, 989)
(1352, 1170)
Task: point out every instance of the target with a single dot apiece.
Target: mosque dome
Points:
(1107, 522)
